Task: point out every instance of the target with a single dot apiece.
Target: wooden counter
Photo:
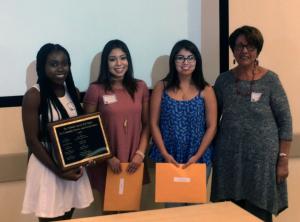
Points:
(212, 212)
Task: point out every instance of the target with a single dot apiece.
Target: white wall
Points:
(150, 29)
(189, 19)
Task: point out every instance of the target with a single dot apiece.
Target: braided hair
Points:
(47, 95)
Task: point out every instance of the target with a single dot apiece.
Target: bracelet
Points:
(283, 155)
(138, 152)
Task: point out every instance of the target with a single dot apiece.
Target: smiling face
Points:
(117, 63)
(185, 62)
(57, 67)
(244, 53)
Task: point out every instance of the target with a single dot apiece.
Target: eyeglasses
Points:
(182, 59)
(240, 47)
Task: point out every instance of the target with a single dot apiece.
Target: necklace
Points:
(237, 86)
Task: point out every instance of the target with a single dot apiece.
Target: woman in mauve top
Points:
(123, 104)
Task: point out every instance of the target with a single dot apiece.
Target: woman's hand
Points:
(135, 163)
(114, 164)
(282, 170)
(72, 174)
(170, 159)
(192, 160)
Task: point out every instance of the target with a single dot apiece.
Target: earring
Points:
(233, 61)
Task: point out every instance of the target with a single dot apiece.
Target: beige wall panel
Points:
(210, 47)
(11, 131)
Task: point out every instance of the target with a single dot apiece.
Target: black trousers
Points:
(256, 211)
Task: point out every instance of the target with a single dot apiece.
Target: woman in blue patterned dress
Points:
(183, 111)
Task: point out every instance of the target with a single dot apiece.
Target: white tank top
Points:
(67, 103)
(69, 106)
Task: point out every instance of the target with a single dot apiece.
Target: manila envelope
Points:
(123, 191)
(174, 184)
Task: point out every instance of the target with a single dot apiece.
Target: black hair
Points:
(105, 77)
(252, 35)
(47, 95)
(172, 79)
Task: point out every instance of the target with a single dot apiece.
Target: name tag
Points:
(108, 99)
(121, 186)
(182, 179)
(255, 96)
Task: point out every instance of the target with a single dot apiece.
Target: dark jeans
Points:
(256, 211)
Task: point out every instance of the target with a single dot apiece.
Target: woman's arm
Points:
(154, 122)
(282, 170)
(30, 118)
(219, 96)
(90, 105)
(89, 108)
(144, 140)
(90, 100)
(211, 124)
(280, 108)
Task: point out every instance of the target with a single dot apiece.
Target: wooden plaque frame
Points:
(79, 140)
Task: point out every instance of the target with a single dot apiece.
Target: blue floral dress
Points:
(182, 125)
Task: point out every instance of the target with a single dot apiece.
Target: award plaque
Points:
(79, 140)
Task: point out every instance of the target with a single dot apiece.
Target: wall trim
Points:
(224, 33)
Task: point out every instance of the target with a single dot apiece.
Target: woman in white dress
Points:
(51, 194)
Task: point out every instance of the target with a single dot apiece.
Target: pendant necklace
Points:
(237, 86)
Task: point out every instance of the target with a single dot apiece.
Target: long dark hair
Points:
(47, 95)
(105, 77)
(172, 79)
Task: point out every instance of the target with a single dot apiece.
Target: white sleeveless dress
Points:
(46, 194)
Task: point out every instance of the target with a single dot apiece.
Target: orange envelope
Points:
(123, 191)
(174, 184)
